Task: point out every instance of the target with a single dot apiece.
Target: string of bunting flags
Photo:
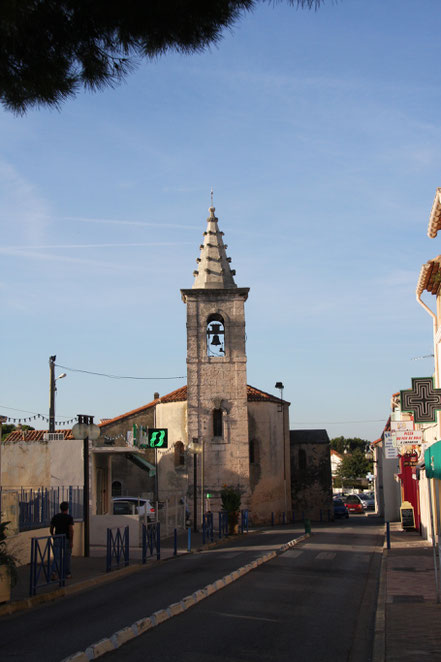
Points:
(29, 419)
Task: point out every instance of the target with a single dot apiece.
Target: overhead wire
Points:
(103, 374)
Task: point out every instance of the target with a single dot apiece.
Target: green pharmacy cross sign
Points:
(157, 438)
(423, 400)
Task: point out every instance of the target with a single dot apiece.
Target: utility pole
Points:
(52, 360)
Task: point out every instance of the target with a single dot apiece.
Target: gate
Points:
(47, 562)
(117, 548)
(151, 540)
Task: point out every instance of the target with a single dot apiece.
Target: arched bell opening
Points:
(215, 335)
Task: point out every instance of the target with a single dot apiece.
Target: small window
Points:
(254, 451)
(302, 459)
(116, 488)
(217, 423)
(179, 454)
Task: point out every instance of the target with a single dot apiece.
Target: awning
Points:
(141, 463)
(432, 459)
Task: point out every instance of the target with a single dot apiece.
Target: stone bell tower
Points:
(216, 369)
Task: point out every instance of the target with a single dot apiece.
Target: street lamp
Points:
(280, 387)
(196, 448)
(52, 389)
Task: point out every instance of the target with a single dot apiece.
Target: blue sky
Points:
(319, 133)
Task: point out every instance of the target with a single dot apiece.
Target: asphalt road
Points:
(313, 603)
(305, 604)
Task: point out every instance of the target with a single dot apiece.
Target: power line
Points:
(103, 374)
(374, 420)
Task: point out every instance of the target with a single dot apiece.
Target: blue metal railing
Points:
(38, 506)
(244, 521)
(47, 562)
(151, 540)
(207, 528)
(223, 523)
(117, 548)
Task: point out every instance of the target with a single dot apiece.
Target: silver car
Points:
(126, 505)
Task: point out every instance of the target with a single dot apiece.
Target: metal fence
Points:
(37, 506)
(151, 540)
(47, 562)
(118, 548)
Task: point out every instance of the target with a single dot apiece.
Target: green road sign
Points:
(158, 438)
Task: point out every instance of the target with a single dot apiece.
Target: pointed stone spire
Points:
(214, 271)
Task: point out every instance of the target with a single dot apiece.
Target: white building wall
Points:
(42, 463)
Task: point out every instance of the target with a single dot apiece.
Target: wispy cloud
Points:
(49, 257)
(21, 205)
(17, 249)
(147, 224)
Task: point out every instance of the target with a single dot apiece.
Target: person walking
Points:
(62, 523)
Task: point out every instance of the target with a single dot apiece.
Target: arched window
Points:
(217, 423)
(215, 335)
(116, 488)
(179, 454)
(302, 459)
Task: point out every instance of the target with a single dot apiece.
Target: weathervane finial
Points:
(211, 196)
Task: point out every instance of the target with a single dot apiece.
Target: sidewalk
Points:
(91, 571)
(408, 622)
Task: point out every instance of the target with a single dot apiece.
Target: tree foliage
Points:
(7, 428)
(343, 445)
(353, 467)
(49, 49)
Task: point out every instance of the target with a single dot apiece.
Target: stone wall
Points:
(42, 463)
(270, 471)
(218, 383)
(311, 483)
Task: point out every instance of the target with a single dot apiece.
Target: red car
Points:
(353, 503)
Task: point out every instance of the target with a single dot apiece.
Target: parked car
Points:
(353, 503)
(126, 505)
(340, 509)
(368, 500)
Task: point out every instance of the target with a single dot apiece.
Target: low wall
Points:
(100, 523)
(19, 545)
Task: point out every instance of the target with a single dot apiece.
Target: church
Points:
(221, 431)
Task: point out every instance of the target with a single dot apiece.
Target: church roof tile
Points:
(180, 395)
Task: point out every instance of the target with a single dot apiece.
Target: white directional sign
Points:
(390, 451)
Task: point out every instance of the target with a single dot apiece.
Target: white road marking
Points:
(326, 556)
(250, 618)
(292, 553)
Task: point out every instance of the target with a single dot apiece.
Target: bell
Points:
(216, 340)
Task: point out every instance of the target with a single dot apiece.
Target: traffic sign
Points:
(158, 438)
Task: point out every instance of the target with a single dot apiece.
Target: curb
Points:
(379, 644)
(16, 606)
(128, 633)
(37, 600)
